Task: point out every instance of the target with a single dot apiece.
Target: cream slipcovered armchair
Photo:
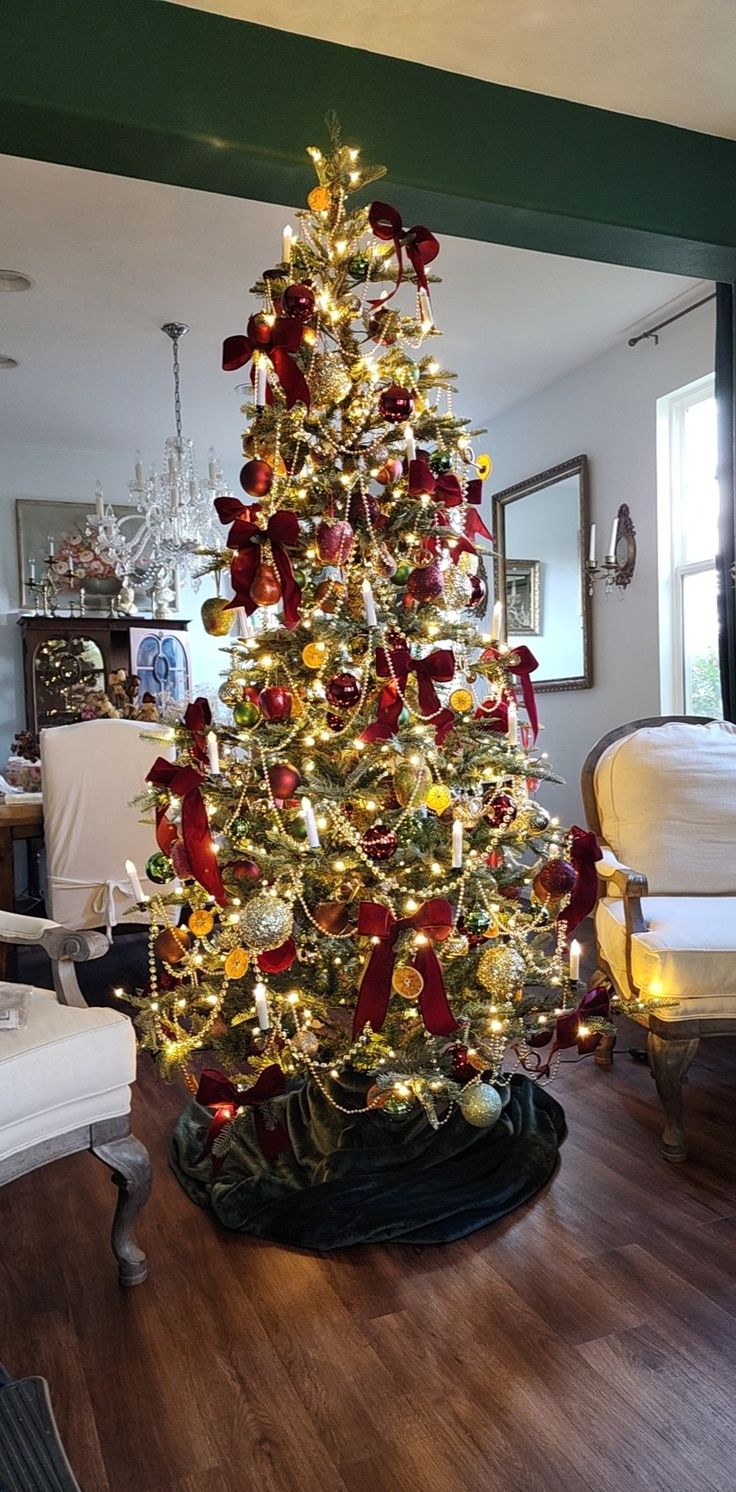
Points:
(65, 1081)
(661, 796)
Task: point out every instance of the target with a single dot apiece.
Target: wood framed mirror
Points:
(541, 528)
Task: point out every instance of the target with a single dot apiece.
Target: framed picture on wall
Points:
(49, 530)
(523, 600)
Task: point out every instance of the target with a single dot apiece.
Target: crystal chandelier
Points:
(174, 522)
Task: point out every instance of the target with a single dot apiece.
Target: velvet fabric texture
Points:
(371, 1179)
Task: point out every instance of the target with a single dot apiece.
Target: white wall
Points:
(606, 409)
(35, 471)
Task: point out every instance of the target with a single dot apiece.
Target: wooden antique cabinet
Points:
(65, 656)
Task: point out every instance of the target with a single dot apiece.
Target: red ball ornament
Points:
(478, 593)
(343, 690)
(283, 779)
(256, 478)
(259, 330)
(275, 703)
(500, 810)
(379, 843)
(555, 880)
(426, 583)
(245, 870)
(298, 300)
(395, 404)
(335, 722)
(362, 509)
(391, 471)
(334, 542)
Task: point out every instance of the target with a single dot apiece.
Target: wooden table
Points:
(24, 821)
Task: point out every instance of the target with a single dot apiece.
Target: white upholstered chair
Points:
(661, 796)
(65, 1082)
(91, 772)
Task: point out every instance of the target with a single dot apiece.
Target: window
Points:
(688, 539)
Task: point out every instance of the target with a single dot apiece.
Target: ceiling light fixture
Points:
(8, 362)
(13, 279)
(174, 519)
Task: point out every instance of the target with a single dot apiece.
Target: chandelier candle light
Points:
(173, 520)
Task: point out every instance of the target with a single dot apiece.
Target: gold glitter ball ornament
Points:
(480, 1105)
(411, 783)
(457, 589)
(306, 1042)
(501, 971)
(439, 798)
(266, 922)
(329, 380)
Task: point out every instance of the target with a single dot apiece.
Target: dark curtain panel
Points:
(727, 482)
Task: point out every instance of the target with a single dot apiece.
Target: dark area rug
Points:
(370, 1179)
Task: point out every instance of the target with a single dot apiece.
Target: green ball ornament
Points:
(397, 1107)
(401, 574)
(476, 920)
(480, 1105)
(440, 461)
(359, 266)
(239, 829)
(300, 578)
(245, 712)
(297, 826)
(159, 869)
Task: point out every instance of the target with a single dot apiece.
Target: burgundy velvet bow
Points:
(216, 1092)
(595, 1002)
(186, 783)
(494, 715)
(434, 919)
(278, 342)
(448, 493)
(585, 851)
(438, 667)
(198, 719)
(282, 533)
(520, 661)
(421, 245)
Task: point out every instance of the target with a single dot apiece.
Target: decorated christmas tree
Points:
(377, 909)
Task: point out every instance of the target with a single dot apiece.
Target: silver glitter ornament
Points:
(457, 589)
(266, 922)
(480, 1105)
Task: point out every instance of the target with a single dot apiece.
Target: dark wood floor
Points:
(588, 1342)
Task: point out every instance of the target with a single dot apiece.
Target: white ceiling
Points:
(113, 258)
(672, 60)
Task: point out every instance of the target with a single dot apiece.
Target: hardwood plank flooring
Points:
(585, 1344)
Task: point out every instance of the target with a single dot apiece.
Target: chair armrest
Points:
(630, 884)
(64, 947)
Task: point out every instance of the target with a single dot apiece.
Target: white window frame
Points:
(673, 569)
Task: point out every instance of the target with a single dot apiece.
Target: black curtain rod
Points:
(678, 314)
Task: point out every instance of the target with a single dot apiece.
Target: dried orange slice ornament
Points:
(201, 922)
(236, 963)
(407, 982)
(319, 199)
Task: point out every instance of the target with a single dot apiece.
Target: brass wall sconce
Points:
(620, 560)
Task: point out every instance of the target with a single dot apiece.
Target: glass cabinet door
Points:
(161, 662)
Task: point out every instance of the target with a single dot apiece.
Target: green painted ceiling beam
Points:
(155, 90)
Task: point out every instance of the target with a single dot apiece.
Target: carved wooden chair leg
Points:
(129, 1162)
(670, 1060)
(603, 1054)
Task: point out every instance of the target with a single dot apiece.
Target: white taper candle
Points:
(611, 552)
(259, 994)
(411, 445)
(496, 621)
(134, 879)
(591, 551)
(311, 823)
(512, 729)
(287, 243)
(575, 960)
(369, 604)
(213, 752)
(261, 382)
(457, 845)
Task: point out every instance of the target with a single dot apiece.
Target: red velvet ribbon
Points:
(438, 667)
(494, 716)
(277, 960)
(520, 661)
(448, 493)
(216, 1092)
(595, 1002)
(284, 340)
(198, 719)
(421, 245)
(186, 783)
(282, 532)
(434, 919)
(585, 851)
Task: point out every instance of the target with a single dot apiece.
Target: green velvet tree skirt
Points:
(371, 1179)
